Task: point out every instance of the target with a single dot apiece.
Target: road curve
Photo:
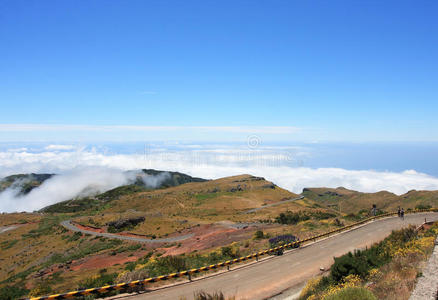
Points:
(67, 224)
(272, 276)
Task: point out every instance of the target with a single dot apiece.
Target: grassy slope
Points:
(349, 201)
(97, 203)
(176, 208)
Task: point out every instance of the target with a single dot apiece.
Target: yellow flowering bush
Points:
(417, 246)
(351, 280)
(374, 274)
(310, 288)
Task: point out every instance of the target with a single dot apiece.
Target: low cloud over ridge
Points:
(91, 170)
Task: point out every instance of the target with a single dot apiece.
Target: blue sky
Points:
(327, 70)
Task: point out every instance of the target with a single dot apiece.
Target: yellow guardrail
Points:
(136, 283)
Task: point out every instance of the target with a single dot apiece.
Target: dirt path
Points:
(67, 224)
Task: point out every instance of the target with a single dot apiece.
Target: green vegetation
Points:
(132, 247)
(423, 206)
(296, 217)
(386, 269)
(259, 234)
(8, 244)
(359, 262)
(352, 293)
(86, 248)
(292, 217)
(47, 226)
(102, 279)
(124, 224)
(12, 292)
(169, 264)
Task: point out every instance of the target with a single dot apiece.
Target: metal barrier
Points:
(136, 283)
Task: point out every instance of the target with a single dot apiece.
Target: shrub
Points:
(292, 217)
(229, 252)
(282, 240)
(201, 295)
(348, 264)
(173, 263)
(352, 293)
(259, 234)
(98, 280)
(422, 206)
(40, 290)
(321, 215)
(360, 262)
(131, 276)
(338, 223)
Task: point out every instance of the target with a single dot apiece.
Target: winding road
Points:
(68, 224)
(7, 228)
(282, 275)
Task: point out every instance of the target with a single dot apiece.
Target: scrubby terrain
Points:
(387, 270)
(216, 219)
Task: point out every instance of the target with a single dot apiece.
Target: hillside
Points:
(146, 179)
(24, 183)
(349, 201)
(194, 203)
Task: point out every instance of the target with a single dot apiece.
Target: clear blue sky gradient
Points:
(349, 70)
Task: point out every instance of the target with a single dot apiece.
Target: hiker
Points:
(374, 210)
(402, 213)
(399, 212)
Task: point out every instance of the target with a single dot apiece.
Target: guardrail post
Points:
(190, 276)
(257, 257)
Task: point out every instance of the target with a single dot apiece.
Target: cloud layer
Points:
(75, 183)
(87, 169)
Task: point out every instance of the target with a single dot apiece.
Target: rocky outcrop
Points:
(122, 223)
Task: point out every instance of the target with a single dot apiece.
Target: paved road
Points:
(272, 204)
(272, 276)
(67, 224)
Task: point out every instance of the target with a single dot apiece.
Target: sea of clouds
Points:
(86, 170)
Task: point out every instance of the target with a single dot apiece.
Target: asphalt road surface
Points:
(276, 274)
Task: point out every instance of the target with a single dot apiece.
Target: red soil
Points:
(89, 228)
(104, 260)
(208, 236)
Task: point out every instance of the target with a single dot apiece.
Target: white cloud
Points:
(77, 182)
(59, 147)
(81, 168)
(22, 149)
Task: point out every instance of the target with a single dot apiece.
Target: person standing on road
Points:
(402, 213)
(399, 212)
